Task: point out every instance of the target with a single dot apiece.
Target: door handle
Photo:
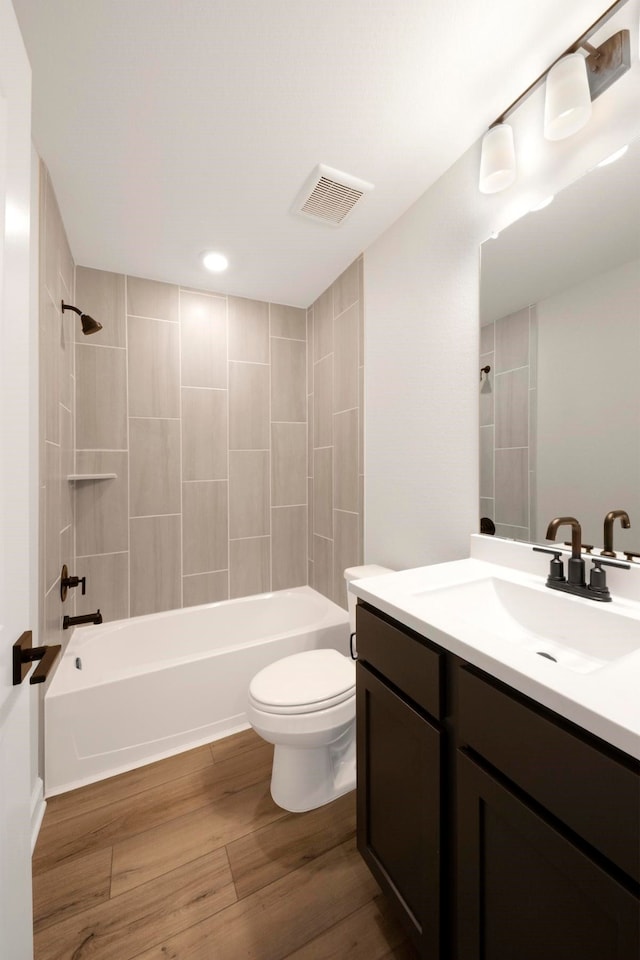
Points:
(24, 654)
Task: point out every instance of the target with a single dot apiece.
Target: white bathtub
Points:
(132, 691)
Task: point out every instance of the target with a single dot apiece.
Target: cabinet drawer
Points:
(594, 794)
(403, 657)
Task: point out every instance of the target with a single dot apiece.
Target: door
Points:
(399, 805)
(17, 566)
(525, 890)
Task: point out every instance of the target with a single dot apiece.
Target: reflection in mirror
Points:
(560, 316)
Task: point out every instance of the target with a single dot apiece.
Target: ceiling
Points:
(177, 126)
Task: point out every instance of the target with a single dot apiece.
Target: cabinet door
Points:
(399, 805)
(525, 891)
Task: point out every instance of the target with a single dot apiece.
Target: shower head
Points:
(89, 325)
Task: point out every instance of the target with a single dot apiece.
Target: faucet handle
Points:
(556, 569)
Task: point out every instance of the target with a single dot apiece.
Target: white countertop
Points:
(605, 701)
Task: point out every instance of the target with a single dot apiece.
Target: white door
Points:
(17, 566)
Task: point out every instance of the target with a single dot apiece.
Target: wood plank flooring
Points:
(190, 859)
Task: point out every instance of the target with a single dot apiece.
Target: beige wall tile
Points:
(512, 488)
(511, 532)
(66, 358)
(203, 325)
(323, 491)
(288, 322)
(102, 295)
(150, 298)
(248, 493)
(248, 406)
(533, 346)
(67, 457)
(248, 330)
(361, 335)
(249, 563)
(107, 585)
(361, 414)
(323, 402)
(487, 337)
(52, 515)
(154, 467)
(345, 360)
(288, 380)
(512, 341)
(487, 391)
(487, 507)
(323, 566)
(50, 337)
(51, 618)
(288, 464)
(205, 526)
(154, 372)
(345, 461)
(155, 564)
(205, 588)
(52, 239)
(486, 461)
(310, 357)
(323, 325)
(204, 434)
(310, 518)
(288, 547)
(310, 435)
(346, 289)
(101, 393)
(345, 552)
(102, 506)
(512, 408)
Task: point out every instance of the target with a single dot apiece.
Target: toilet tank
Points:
(359, 573)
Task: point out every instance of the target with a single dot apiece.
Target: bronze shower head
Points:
(89, 325)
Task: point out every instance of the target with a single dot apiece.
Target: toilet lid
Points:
(304, 681)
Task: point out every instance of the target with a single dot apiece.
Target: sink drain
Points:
(546, 655)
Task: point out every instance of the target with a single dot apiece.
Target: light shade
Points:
(216, 262)
(498, 160)
(567, 104)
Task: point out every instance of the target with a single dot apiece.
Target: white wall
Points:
(588, 456)
(421, 317)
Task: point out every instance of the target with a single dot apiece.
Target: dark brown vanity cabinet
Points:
(399, 763)
(500, 829)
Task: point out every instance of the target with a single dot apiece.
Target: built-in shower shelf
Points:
(73, 477)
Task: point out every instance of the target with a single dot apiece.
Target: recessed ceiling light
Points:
(614, 156)
(216, 262)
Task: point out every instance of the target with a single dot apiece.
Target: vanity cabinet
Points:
(399, 761)
(499, 829)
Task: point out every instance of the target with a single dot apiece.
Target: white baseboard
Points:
(38, 807)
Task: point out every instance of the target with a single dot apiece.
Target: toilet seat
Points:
(304, 683)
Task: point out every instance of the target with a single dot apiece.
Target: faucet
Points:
(575, 566)
(85, 618)
(608, 530)
(575, 582)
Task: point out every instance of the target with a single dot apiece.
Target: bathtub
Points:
(133, 691)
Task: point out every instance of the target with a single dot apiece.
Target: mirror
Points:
(560, 331)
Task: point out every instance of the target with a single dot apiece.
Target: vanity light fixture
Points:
(573, 81)
(613, 156)
(215, 262)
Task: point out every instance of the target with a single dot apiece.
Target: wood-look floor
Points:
(190, 859)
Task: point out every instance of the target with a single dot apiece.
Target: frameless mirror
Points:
(560, 332)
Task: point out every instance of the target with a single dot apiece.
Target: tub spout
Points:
(85, 618)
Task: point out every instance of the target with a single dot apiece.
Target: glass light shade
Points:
(567, 103)
(498, 160)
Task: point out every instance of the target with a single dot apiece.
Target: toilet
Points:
(305, 705)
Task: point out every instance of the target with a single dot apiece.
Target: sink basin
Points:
(577, 634)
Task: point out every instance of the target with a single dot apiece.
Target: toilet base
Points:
(305, 778)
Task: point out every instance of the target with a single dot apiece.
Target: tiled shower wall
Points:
(508, 422)
(335, 378)
(56, 412)
(196, 403)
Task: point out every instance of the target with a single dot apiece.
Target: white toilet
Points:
(305, 705)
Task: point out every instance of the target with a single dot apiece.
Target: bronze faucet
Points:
(575, 566)
(608, 530)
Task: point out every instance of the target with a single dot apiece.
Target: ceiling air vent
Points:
(330, 195)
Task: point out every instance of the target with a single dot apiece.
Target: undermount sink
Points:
(576, 634)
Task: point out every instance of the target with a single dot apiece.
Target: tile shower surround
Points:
(198, 403)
